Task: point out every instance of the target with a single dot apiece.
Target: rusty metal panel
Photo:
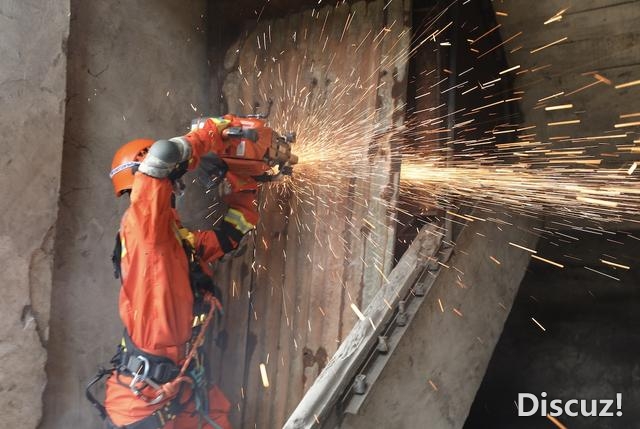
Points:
(385, 166)
(326, 242)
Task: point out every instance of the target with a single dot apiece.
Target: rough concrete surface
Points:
(431, 379)
(135, 69)
(32, 92)
(598, 36)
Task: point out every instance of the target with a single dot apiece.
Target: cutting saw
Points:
(251, 149)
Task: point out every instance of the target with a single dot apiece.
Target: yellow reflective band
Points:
(236, 218)
(185, 234)
(221, 123)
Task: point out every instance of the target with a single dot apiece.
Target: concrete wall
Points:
(32, 91)
(134, 70)
(601, 37)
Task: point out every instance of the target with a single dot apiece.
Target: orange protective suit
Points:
(156, 300)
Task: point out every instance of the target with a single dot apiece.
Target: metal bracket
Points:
(383, 344)
(407, 309)
(360, 384)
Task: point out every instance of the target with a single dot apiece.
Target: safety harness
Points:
(158, 372)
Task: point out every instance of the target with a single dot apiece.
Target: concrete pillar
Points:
(32, 91)
(432, 377)
(135, 69)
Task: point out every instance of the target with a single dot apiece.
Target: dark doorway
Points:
(588, 344)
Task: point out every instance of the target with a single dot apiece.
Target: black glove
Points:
(211, 170)
(179, 171)
(201, 281)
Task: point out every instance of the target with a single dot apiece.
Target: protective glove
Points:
(221, 122)
(211, 171)
(241, 218)
(239, 193)
(206, 136)
(206, 128)
(243, 211)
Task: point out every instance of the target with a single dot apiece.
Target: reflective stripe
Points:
(240, 150)
(121, 167)
(180, 140)
(236, 218)
(123, 248)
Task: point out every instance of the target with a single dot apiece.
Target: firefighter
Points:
(167, 293)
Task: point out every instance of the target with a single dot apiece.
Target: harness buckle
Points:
(142, 376)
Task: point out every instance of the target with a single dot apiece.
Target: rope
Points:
(171, 388)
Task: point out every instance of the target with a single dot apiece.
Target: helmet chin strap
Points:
(178, 187)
